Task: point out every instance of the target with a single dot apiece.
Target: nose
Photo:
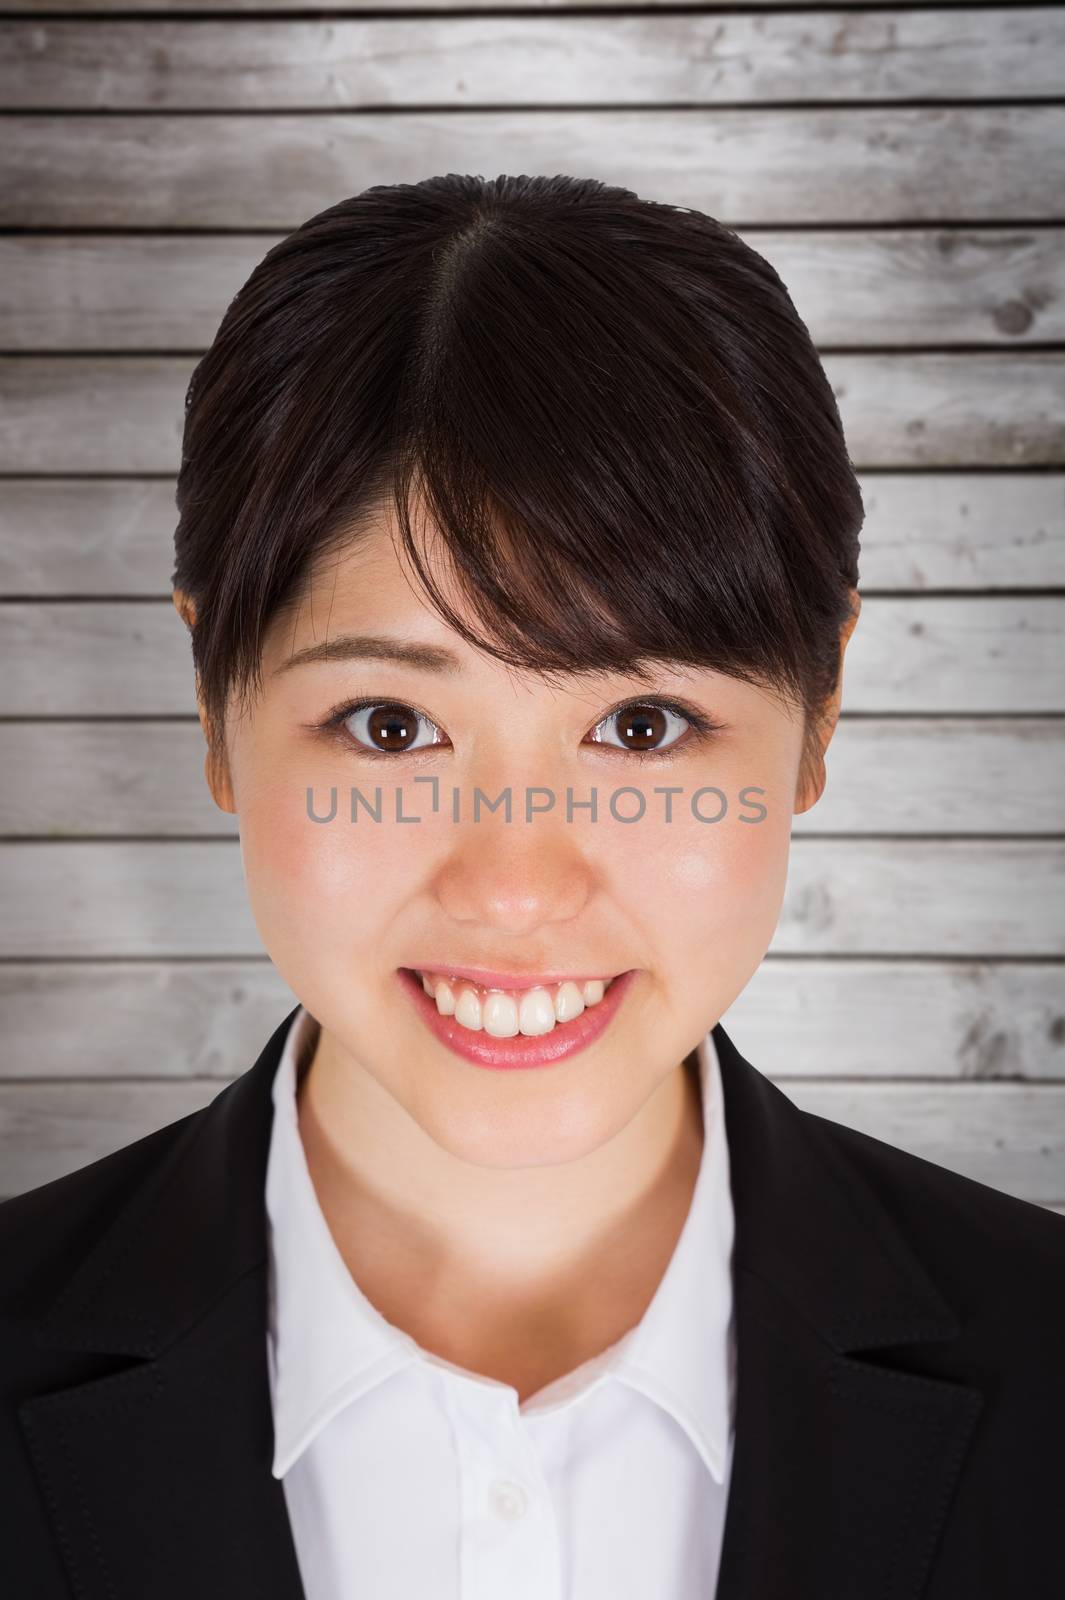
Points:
(517, 877)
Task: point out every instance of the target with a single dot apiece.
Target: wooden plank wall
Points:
(902, 167)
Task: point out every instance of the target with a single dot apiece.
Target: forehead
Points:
(363, 599)
(364, 602)
(366, 583)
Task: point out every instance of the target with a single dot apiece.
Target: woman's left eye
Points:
(641, 726)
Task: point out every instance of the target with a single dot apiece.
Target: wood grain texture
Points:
(686, 59)
(902, 1019)
(1011, 1136)
(149, 8)
(101, 536)
(856, 164)
(138, 1019)
(923, 897)
(962, 531)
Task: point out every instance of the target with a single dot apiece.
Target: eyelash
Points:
(702, 727)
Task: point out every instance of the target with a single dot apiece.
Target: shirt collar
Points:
(682, 1351)
(328, 1344)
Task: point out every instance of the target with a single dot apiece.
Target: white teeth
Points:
(537, 1012)
(569, 1001)
(504, 1013)
(468, 1010)
(499, 1015)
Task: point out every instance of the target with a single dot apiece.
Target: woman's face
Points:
(687, 905)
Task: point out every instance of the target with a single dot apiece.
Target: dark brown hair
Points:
(609, 406)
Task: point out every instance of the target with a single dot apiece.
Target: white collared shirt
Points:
(406, 1476)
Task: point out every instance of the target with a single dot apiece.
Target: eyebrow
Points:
(376, 647)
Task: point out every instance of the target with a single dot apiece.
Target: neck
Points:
(564, 1258)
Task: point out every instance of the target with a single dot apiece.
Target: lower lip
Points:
(543, 1050)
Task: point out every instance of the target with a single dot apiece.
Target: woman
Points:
(518, 544)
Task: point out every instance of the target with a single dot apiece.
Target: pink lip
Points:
(484, 1050)
(487, 979)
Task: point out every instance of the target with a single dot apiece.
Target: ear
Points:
(216, 762)
(812, 775)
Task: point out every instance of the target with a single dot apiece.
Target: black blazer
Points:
(900, 1347)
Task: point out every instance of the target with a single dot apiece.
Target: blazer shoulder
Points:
(47, 1231)
(993, 1251)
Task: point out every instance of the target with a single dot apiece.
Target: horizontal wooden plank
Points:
(854, 164)
(152, 7)
(115, 536)
(829, 1018)
(896, 897)
(137, 1019)
(102, 414)
(50, 1129)
(1012, 53)
(947, 410)
(887, 287)
(987, 654)
(957, 530)
(92, 413)
(855, 1018)
(967, 654)
(129, 899)
(984, 777)
(1011, 1136)
(927, 530)
(94, 657)
(68, 779)
(99, 779)
(921, 897)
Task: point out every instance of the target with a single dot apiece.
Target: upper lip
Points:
(486, 978)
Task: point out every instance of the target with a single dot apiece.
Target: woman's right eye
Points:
(386, 727)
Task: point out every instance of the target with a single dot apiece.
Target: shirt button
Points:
(509, 1500)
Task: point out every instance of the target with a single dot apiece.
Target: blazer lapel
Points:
(844, 1462)
(157, 1475)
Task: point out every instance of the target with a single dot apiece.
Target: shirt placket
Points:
(508, 1535)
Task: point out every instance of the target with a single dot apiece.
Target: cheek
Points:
(321, 892)
(727, 876)
(715, 890)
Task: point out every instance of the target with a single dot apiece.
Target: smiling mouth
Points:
(533, 1009)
